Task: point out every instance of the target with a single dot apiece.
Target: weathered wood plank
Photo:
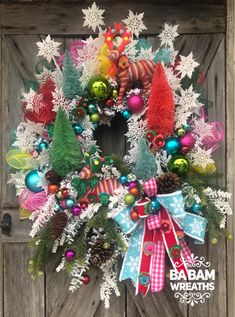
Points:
(84, 302)
(22, 295)
(68, 19)
(117, 307)
(131, 309)
(230, 146)
(216, 254)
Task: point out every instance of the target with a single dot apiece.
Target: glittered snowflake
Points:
(130, 50)
(134, 23)
(146, 54)
(200, 157)
(18, 180)
(59, 100)
(168, 35)
(93, 17)
(48, 48)
(28, 98)
(201, 129)
(46, 73)
(187, 65)
(90, 70)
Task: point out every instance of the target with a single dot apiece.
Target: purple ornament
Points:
(69, 255)
(135, 103)
(76, 210)
(132, 185)
(187, 140)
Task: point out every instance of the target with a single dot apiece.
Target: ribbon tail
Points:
(186, 253)
(158, 264)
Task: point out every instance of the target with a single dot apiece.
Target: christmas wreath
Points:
(89, 208)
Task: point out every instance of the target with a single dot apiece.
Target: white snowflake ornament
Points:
(168, 35)
(134, 23)
(93, 17)
(187, 65)
(48, 48)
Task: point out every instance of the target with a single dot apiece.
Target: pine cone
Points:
(168, 183)
(58, 224)
(52, 177)
(100, 253)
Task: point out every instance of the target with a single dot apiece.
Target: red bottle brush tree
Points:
(161, 110)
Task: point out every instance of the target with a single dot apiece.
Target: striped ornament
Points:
(85, 173)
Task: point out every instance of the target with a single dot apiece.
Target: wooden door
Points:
(202, 31)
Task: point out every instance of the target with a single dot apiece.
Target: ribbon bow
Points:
(154, 235)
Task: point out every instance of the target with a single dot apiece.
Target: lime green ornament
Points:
(179, 164)
(129, 199)
(95, 117)
(99, 88)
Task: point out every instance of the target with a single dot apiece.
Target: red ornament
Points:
(65, 193)
(52, 189)
(109, 103)
(42, 107)
(81, 112)
(84, 203)
(86, 279)
(134, 215)
(161, 110)
(184, 150)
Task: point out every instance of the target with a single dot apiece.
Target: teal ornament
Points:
(172, 145)
(70, 202)
(31, 181)
(42, 146)
(78, 129)
(197, 207)
(187, 127)
(92, 108)
(95, 126)
(126, 114)
(123, 179)
(57, 208)
(154, 206)
(162, 55)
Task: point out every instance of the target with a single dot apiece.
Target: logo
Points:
(198, 285)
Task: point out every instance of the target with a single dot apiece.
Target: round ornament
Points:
(42, 146)
(172, 145)
(135, 103)
(154, 206)
(134, 215)
(179, 165)
(92, 108)
(53, 189)
(99, 89)
(70, 202)
(32, 180)
(95, 117)
(187, 140)
(69, 255)
(86, 279)
(126, 114)
(181, 132)
(78, 129)
(129, 199)
(76, 210)
(134, 191)
(123, 179)
(197, 207)
(208, 170)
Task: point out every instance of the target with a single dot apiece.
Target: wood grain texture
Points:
(230, 148)
(22, 296)
(1, 184)
(68, 18)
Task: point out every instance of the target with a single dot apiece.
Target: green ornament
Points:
(100, 89)
(129, 199)
(115, 93)
(181, 132)
(179, 164)
(106, 245)
(95, 117)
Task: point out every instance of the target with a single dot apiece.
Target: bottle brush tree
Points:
(145, 167)
(66, 153)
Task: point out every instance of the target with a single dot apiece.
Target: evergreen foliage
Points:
(65, 154)
(71, 78)
(145, 167)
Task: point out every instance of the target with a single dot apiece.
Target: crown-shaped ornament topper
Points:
(117, 30)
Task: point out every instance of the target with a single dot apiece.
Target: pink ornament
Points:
(187, 141)
(135, 103)
(32, 201)
(63, 204)
(69, 255)
(76, 210)
(132, 185)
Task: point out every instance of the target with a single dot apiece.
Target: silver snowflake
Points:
(48, 48)
(146, 54)
(134, 23)
(93, 17)
(59, 100)
(187, 65)
(200, 156)
(200, 129)
(168, 35)
(28, 98)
